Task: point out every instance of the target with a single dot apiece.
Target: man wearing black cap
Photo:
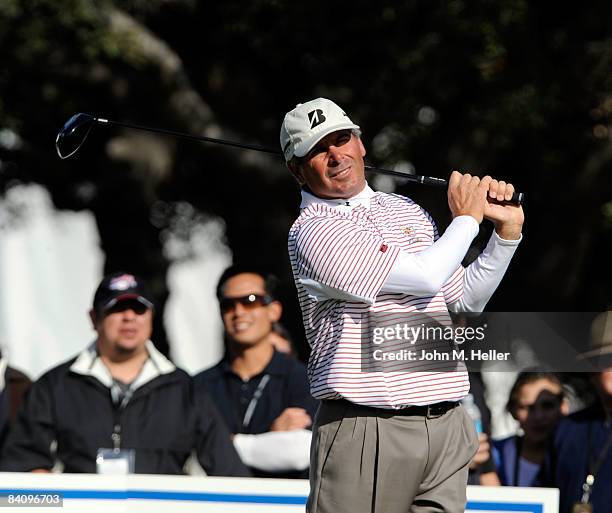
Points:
(120, 406)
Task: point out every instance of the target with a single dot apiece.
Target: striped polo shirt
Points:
(349, 248)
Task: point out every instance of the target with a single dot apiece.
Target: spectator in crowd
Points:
(583, 440)
(13, 386)
(120, 406)
(281, 339)
(262, 393)
(537, 402)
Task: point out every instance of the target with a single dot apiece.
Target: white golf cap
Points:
(308, 123)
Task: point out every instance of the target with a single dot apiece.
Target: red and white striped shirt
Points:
(349, 247)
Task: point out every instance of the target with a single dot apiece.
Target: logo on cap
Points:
(316, 117)
(123, 282)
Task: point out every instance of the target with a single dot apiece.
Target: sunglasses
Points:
(135, 305)
(548, 404)
(250, 302)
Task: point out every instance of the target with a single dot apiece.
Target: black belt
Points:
(429, 410)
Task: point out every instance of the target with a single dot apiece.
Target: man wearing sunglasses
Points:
(387, 438)
(262, 394)
(120, 406)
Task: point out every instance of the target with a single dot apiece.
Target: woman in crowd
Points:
(537, 402)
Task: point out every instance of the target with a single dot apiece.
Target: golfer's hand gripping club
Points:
(518, 198)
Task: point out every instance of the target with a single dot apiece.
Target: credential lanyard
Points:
(248, 415)
(593, 463)
(120, 400)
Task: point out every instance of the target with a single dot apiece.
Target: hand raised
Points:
(467, 195)
(508, 218)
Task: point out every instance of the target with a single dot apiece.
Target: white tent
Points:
(50, 265)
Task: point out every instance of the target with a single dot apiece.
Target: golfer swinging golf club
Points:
(384, 442)
(75, 131)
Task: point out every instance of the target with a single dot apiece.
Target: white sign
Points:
(188, 494)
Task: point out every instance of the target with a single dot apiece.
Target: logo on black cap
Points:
(118, 287)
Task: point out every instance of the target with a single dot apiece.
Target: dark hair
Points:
(527, 376)
(270, 281)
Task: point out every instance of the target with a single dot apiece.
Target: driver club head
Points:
(73, 134)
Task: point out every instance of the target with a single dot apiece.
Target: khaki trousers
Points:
(363, 460)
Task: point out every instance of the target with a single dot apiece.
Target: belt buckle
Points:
(434, 411)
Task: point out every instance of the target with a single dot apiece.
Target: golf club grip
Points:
(518, 198)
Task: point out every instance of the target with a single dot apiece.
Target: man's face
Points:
(246, 317)
(603, 382)
(334, 168)
(125, 327)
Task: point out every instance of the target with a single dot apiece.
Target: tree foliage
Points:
(521, 90)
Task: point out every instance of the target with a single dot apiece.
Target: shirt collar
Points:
(88, 363)
(361, 199)
(275, 365)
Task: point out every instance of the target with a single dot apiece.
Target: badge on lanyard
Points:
(115, 461)
(584, 506)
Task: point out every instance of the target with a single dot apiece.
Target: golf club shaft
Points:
(189, 136)
(517, 197)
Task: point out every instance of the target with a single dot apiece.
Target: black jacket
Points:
(16, 384)
(163, 422)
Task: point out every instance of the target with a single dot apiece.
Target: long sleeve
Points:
(275, 451)
(28, 445)
(216, 453)
(424, 273)
(483, 276)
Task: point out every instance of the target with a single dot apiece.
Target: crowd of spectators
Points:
(553, 447)
(121, 406)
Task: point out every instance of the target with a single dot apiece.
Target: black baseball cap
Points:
(120, 286)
